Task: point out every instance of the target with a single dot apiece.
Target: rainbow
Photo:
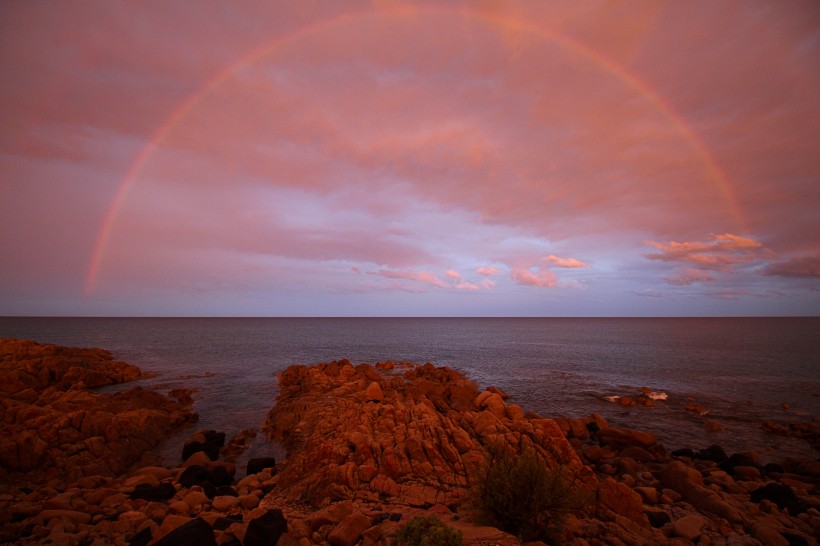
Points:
(716, 174)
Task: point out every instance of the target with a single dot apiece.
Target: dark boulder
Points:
(161, 492)
(194, 475)
(219, 476)
(266, 529)
(259, 464)
(713, 453)
(781, 495)
(196, 532)
(739, 459)
(197, 475)
(214, 441)
(684, 452)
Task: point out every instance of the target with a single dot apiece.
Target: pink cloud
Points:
(544, 277)
(565, 262)
(467, 286)
(720, 251)
(453, 274)
(487, 270)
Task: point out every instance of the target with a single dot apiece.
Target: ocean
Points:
(741, 370)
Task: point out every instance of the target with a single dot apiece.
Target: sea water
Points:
(741, 370)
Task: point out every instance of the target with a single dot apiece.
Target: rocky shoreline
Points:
(369, 448)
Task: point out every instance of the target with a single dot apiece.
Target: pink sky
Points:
(410, 158)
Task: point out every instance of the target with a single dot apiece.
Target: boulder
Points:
(620, 438)
(266, 529)
(349, 530)
(258, 464)
(161, 492)
(781, 495)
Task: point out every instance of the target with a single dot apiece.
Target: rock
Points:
(349, 530)
(266, 529)
(258, 464)
(690, 527)
(73, 515)
(373, 393)
(54, 428)
(781, 495)
(679, 477)
(224, 503)
(196, 532)
(683, 452)
(739, 459)
(194, 499)
(620, 499)
(161, 492)
(209, 442)
(179, 507)
(713, 453)
(769, 537)
(625, 437)
(657, 516)
(142, 538)
(238, 444)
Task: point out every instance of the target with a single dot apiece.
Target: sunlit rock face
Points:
(416, 435)
(54, 427)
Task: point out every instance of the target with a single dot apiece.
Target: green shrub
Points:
(521, 494)
(427, 531)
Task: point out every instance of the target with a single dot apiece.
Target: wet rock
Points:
(713, 453)
(238, 444)
(266, 529)
(739, 459)
(620, 438)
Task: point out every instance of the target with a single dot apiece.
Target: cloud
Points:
(798, 267)
(467, 286)
(719, 251)
(453, 274)
(425, 277)
(565, 262)
(543, 277)
(689, 276)
(487, 270)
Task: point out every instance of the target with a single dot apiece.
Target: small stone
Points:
(179, 507)
(224, 503)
